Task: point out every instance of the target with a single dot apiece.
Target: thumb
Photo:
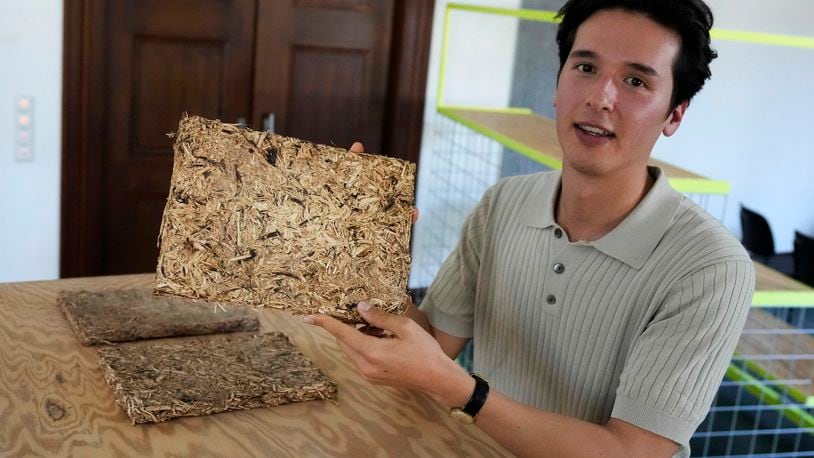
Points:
(379, 318)
(357, 147)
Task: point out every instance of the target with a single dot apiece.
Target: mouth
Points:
(594, 130)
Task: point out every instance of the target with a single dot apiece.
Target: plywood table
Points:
(54, 401)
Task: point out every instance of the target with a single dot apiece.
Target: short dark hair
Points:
(689, 19)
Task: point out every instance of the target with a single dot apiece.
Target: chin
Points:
(591, 170)
(588, 164)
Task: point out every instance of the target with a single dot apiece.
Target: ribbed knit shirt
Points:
(639, 325)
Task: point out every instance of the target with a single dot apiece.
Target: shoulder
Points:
(695, 241)
(520, 188)
(710, 239)
(528, 182)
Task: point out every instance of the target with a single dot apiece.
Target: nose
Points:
(602, 95)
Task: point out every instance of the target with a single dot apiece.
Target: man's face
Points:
(614, 92)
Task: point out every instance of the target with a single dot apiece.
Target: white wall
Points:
(751, 123)
(31, 62)
(480, 56)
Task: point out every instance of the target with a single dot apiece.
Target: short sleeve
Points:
(677, 363)
(450, 301)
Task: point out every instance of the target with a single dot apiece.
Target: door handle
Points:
(268, 123)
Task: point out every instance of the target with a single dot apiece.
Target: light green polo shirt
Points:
(639, 325)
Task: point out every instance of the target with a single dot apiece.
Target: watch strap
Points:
(478, 397)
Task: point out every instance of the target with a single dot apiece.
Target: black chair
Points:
(758, 240)
(804, 258)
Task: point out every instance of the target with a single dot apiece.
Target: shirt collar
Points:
(635, 238)
(542, 200)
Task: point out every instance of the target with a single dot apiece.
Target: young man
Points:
(605, 306)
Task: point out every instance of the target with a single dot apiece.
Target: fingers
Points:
(341, 331)
(363, 351)
(414, 215)
(381, 319)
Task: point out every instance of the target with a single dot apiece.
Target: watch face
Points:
(461, 416)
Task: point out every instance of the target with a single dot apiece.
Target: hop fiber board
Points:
(160, 381)
(274, 221)
(98, 317)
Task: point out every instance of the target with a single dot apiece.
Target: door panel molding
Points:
(284, 31)
(151, 59)
(333, 79)
(355, 5)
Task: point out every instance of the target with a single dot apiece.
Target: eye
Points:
(585, 68)
(635, 82)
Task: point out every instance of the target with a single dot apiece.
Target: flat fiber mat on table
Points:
(274, 221)
(132, 314)
(156, 382)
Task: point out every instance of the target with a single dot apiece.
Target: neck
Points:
(588, 207)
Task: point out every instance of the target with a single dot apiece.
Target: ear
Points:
(674, 119)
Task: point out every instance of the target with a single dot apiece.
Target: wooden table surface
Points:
(54, 400)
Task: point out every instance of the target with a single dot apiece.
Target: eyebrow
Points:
(646, 69)
(586, 54)
(583, 53)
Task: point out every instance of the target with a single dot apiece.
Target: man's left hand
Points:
(409, 358)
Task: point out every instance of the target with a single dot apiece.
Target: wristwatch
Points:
(468, 413)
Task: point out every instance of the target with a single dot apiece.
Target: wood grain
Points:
(54, 401)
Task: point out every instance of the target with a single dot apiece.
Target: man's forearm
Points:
(527, 431)
(531, 432)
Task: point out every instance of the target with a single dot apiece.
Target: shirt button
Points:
(558, 232)
(559, 268)
(551, 299)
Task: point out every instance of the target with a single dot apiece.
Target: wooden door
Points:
(332, 71)
(322, 68)
(164, 58)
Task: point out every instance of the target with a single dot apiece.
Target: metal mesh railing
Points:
(763, 406)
